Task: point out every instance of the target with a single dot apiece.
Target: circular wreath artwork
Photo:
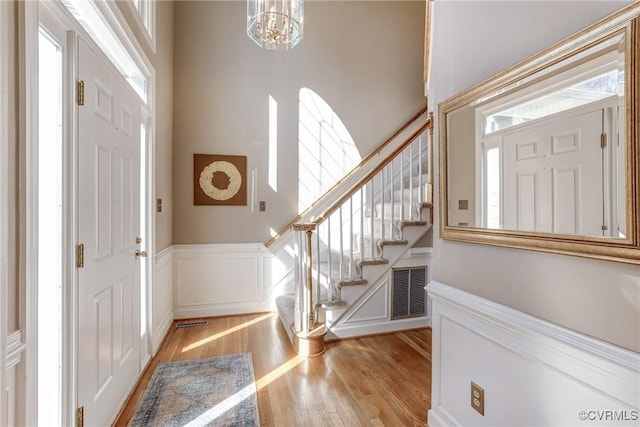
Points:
(207, 180)
(219, 180)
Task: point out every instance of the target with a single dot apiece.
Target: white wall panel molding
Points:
(164, 255)
(224, 279)
(506, 351)
(162, 297)
(15, 347)
(13, 356)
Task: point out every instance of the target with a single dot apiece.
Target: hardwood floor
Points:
(382, 380)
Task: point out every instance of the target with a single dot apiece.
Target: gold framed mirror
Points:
(545, 155)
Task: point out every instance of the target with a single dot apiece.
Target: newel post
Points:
(309, 336)
(304, 310)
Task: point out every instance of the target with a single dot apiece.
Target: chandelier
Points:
(275, 24)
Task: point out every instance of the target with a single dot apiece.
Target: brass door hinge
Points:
(80, 421)
(605, 228)
(80, 93)
(603, 140)
(80, 255)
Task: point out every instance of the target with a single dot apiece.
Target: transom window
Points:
(592, 89)
(93, 20)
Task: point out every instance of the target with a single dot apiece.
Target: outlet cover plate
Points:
(477, 398)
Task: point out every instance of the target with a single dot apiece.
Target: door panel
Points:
(544, 187)
(108, 222)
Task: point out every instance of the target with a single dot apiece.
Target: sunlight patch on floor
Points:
(227, 332)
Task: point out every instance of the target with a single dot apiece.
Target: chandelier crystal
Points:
(275, 24)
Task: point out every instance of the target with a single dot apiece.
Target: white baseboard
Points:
(381, 327)
(533, 372)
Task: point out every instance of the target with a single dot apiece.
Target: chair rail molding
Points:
(571, 378)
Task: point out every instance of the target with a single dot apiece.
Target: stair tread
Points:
(374, 261)
(331, 304)
(352, 282)
(285, 305)
(393, 242)
(413, 223)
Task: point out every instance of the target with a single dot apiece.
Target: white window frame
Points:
(549, 82)
(487, 144)
(118, 30)
(145, 18)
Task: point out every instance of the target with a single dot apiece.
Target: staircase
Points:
(352, 242)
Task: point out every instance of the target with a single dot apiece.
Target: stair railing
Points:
(349, 177)
(330, 250)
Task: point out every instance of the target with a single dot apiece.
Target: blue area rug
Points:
(217, 391)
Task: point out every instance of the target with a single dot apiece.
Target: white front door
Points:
(108, 223)
(553, 178)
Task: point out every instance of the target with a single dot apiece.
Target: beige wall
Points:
(472, 41)
(462, 170)
(363, 58)
(162, 61)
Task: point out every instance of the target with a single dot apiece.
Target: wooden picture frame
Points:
(219, 180)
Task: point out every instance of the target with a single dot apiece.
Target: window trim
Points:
(149, 31)
(116, 23)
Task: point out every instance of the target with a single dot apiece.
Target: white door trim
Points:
(148, 117)
(28, 233)
(70, 237)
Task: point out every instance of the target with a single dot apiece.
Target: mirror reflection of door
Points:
(553, 176)
(544, 161)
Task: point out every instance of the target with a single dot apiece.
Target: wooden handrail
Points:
(362, 181)
(362, 162)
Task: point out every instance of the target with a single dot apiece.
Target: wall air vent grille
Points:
(408, 295)
(191, 323)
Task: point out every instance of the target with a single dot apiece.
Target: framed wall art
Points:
(219, 180)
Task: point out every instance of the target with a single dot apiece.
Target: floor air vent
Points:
(409, 297)
(190, 324)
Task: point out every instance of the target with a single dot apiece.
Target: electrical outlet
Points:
(158, 205)
(263, 206)
(477, 398)
(463, 205)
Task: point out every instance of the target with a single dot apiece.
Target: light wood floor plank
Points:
(382, 380)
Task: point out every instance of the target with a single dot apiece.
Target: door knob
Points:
(141, 254)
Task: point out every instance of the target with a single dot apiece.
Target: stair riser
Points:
(385, 210)
(416, 180)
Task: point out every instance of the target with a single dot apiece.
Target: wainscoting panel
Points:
(217, 280)
(532, 372)
(14, 350)
(162, 297)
